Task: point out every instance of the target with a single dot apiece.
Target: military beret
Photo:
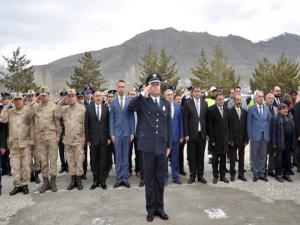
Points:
(153, 78)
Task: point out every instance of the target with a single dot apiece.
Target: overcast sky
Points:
(51, 29)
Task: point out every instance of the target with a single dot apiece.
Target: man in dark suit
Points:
(297, 134)
(195, 112)
(88, 100)
(177, 131)
(6, 168)
(110, 148)
(121, 129)
(277, 95)
(238, 129)
(270, 166)
(139, 118)
(155, 141)
(219, 137)
(97, 138)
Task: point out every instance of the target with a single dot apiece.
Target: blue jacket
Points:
(121, 122)
(177, 123)
(155, 129)
(257, 125)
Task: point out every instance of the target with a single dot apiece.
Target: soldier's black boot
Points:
(53, 184)
(73, 183)
(37, 179)
(15, 191)
(25, 189)
(78, 182)
(46, 185)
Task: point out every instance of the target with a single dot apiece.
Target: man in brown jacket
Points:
(19, 142)
(73, 114)
(48, 131)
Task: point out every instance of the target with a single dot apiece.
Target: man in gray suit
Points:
(258, 123)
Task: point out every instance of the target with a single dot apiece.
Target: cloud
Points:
(48, 30)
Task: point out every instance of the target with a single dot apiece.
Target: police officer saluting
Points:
(155, 138)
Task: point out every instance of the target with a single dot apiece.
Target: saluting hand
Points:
(146, 91)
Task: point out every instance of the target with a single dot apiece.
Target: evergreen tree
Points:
(147, 65)
(162, 64)
(202, 74)
(88, 74)
(215, 72)
(18, 75)
(168, 71)
(283, 73)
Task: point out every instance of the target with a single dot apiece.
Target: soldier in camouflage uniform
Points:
(48, 131)
(35, 159)
(73, 114)
(19, 142)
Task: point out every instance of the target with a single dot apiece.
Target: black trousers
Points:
(219, 165)
(195, 154)
(6, 168)
(233, 153)
(154, 175)
(98, 162)
(61, 149)
(85, 162)
(110, 153)
(136, 159)
(270, 164)
(181, 156)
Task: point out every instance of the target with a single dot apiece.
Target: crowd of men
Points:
(110, 125)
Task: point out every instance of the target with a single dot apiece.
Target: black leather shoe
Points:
(215, 180)
(191, 180)
(279, 179)
(15, 191)
(202, 179)
(224, 179)
(25, 189)
(287, 178)
(126, 184)
(162, 215)
(117, 184)
(242, 177)
(94, 186)
(150, 217)
(142, 183)
(255, 179)
(232, 178)
(104, 186)
(177, 182)
(83, 177)
(264, 179)
(182, 173)
(271, 174)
